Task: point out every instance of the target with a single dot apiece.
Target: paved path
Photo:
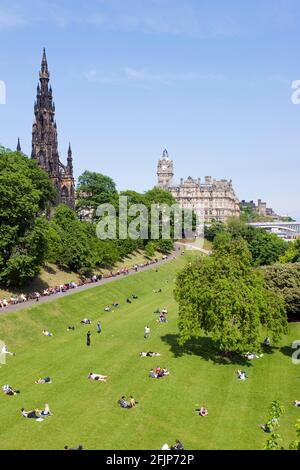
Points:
(194, 247)
(30, 303)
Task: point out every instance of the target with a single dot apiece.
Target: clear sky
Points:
(210, 80)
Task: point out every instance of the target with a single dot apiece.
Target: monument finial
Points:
(166, 154)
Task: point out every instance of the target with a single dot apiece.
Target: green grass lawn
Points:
(87, 412)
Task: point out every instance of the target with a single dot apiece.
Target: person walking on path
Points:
(146, 332)
(88, 338)
(99, 327)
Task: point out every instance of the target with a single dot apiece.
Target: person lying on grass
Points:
(97, 377)
(127, 404)
(116, 304)
(134, 296)
(71, 328)
(45, 380)
(129, 301)
(149, 354)
(107, 309)
(8, 390)
(4, 350)
(252, 356)
(85, 321)
(297, 403)
(47, 333)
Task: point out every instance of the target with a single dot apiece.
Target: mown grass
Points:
(88, 413)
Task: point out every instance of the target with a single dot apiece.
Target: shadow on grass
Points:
(203, 347)
(287, 351)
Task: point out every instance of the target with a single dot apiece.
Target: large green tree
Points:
(285, 280)
(26, 194)
(94, 189)
(224, 296)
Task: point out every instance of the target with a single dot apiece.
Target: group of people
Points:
(124, 403)
(17, 299)
(158, 373)
(177, 446)
(38, 415)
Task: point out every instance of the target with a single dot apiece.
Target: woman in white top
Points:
(98, 377)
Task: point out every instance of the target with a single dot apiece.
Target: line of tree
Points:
(34, 232)
(266, 248)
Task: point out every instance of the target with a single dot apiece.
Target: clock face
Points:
(163, 167)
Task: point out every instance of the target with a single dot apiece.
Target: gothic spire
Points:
(70, 159)
(44, 73)
(19, 145)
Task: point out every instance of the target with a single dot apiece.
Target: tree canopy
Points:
(285, 280)
(25, 194)
(226, 297)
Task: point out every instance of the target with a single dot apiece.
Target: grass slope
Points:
(87, 412)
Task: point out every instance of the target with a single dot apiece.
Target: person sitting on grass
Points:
(85, 321)
(115, 304)
(162, 318)
(129, 301)
(147, 332)
(203, 411)
(45, 380)
(297, 403)
(241, 375)
(265, 428)
(97, 377)
(267, 341)
(177, 446)
(45, 413)
(132, 402)
(127, 404)
(47, 333)
(8, 390)
(134, 296)
(149, 354)
(107, 309)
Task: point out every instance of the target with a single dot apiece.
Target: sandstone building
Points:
(211, 200)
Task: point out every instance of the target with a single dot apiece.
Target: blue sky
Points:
(210, 80)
